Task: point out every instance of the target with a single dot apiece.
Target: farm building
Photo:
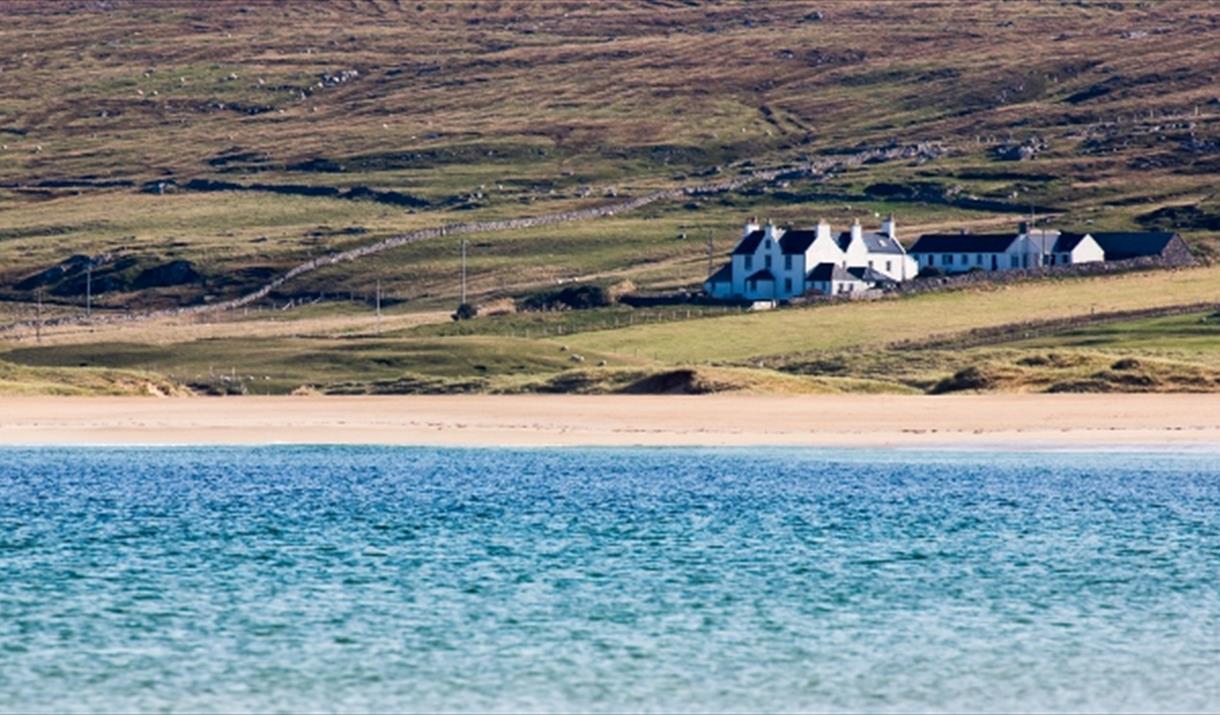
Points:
(961, 252)
(1122, 246)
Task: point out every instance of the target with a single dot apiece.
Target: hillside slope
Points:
(246, 138)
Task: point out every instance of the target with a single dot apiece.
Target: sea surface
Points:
(314, 579)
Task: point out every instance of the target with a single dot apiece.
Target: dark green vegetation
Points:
(195, 150)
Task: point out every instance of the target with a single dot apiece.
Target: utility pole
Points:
(89, 288)
(463, 289)
(38, 322)
(379, 306)
(711, 248)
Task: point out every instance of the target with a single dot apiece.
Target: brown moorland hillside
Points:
(358, 120)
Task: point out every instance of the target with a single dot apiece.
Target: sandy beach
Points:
(978, 421)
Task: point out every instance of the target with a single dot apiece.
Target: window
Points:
(965, 260)
(978, 259)
(788, 262)
(870, 264)
(767, 259)
(768, 243)
(753, 285)
(889, 266)
(1015, 261)
(947, 259)
(749, 263)
(788, 285)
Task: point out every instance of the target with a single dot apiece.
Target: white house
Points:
(771, 263)
(878, 250)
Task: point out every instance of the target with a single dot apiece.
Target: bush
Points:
(465, 311)
(577, 297)
(971, 378)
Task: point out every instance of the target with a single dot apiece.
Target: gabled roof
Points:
(963, 243)
(880, 243)
(798, 240)
(1120, 246)
(724, 275)
(874, 242)
(829, 272)
(749, 243)
(870, 275)
(1067, 242)
(763, 275)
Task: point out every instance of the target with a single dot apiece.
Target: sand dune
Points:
(979, 421)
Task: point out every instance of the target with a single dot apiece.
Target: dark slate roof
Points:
(963, 243)
(873, 241)
(1067, 242)
(829, 271)
(881, 243)
(724, 275)
(798, 240)
(749, 243)
(763, 275)
(870, 275)
(1120, 246)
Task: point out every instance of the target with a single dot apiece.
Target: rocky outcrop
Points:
(174, 273)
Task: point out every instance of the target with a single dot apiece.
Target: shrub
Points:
(577, 297)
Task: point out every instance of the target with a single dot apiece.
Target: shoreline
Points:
(1127, 422)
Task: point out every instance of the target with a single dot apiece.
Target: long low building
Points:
(776, 264)
(961, 252)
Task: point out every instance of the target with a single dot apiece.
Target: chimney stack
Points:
(823, 230)
(888, 228)
(857, 233)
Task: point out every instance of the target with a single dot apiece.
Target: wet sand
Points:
(975, 421)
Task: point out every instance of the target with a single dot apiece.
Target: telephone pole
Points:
(379, 306)
(462, 301)
(38, 322)
(89, 288)
(711, 248)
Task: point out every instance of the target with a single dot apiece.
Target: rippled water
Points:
(371, 579)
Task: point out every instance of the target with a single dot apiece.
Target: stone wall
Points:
(1174, 259)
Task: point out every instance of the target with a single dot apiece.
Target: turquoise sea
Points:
(408, 579)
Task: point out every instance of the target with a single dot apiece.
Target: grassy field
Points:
(333, 125)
